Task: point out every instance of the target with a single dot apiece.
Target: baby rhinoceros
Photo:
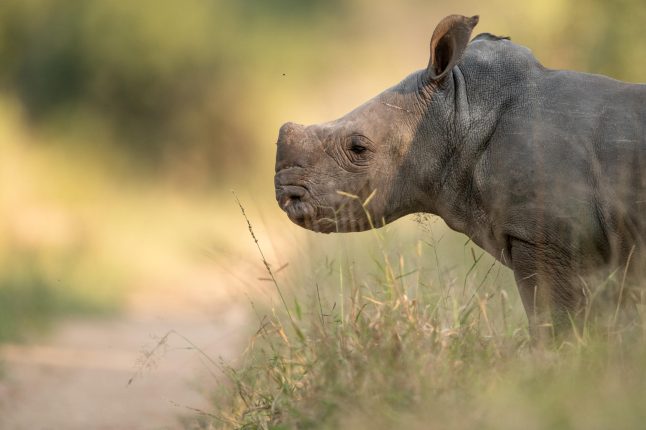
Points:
(544, 169)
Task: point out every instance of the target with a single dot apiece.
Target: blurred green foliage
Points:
(168, 78)
(607, 37)
(139, 72)
(184, 83)
(36, 289)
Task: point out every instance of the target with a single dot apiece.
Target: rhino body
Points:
(544, 169)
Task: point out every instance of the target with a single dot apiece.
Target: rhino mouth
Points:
(296, 202)
(334, 213)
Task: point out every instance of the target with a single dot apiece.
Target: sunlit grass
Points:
(406, 331)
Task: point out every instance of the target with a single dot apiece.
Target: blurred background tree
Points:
(608, 37)
(176, 84)
(170, 80)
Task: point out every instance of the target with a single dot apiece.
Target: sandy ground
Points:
(78, 377)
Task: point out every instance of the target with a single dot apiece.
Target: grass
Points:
(419, 344)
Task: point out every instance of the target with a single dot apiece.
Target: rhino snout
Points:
(301, 164)
(294, 200)
(292, 196)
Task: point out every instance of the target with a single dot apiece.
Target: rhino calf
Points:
(542, 168)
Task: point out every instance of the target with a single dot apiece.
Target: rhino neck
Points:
(453, 198)
(492, 82)
(478, 104)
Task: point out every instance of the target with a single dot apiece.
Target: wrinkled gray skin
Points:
(544, 169)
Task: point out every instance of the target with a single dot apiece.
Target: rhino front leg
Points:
(549, 290)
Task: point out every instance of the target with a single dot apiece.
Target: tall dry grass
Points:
(395, 337)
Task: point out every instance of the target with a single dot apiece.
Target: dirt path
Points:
(78, 378)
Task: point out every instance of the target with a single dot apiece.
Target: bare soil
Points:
(78, 378)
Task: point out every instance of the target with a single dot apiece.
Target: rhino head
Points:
(383, 160)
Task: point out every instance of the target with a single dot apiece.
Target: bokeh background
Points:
(124, 126)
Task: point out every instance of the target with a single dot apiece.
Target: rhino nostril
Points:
(290, 195)
(291, 199)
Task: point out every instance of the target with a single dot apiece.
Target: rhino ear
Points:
(448, 43)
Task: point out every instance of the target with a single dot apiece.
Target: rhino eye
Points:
(359, 149)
